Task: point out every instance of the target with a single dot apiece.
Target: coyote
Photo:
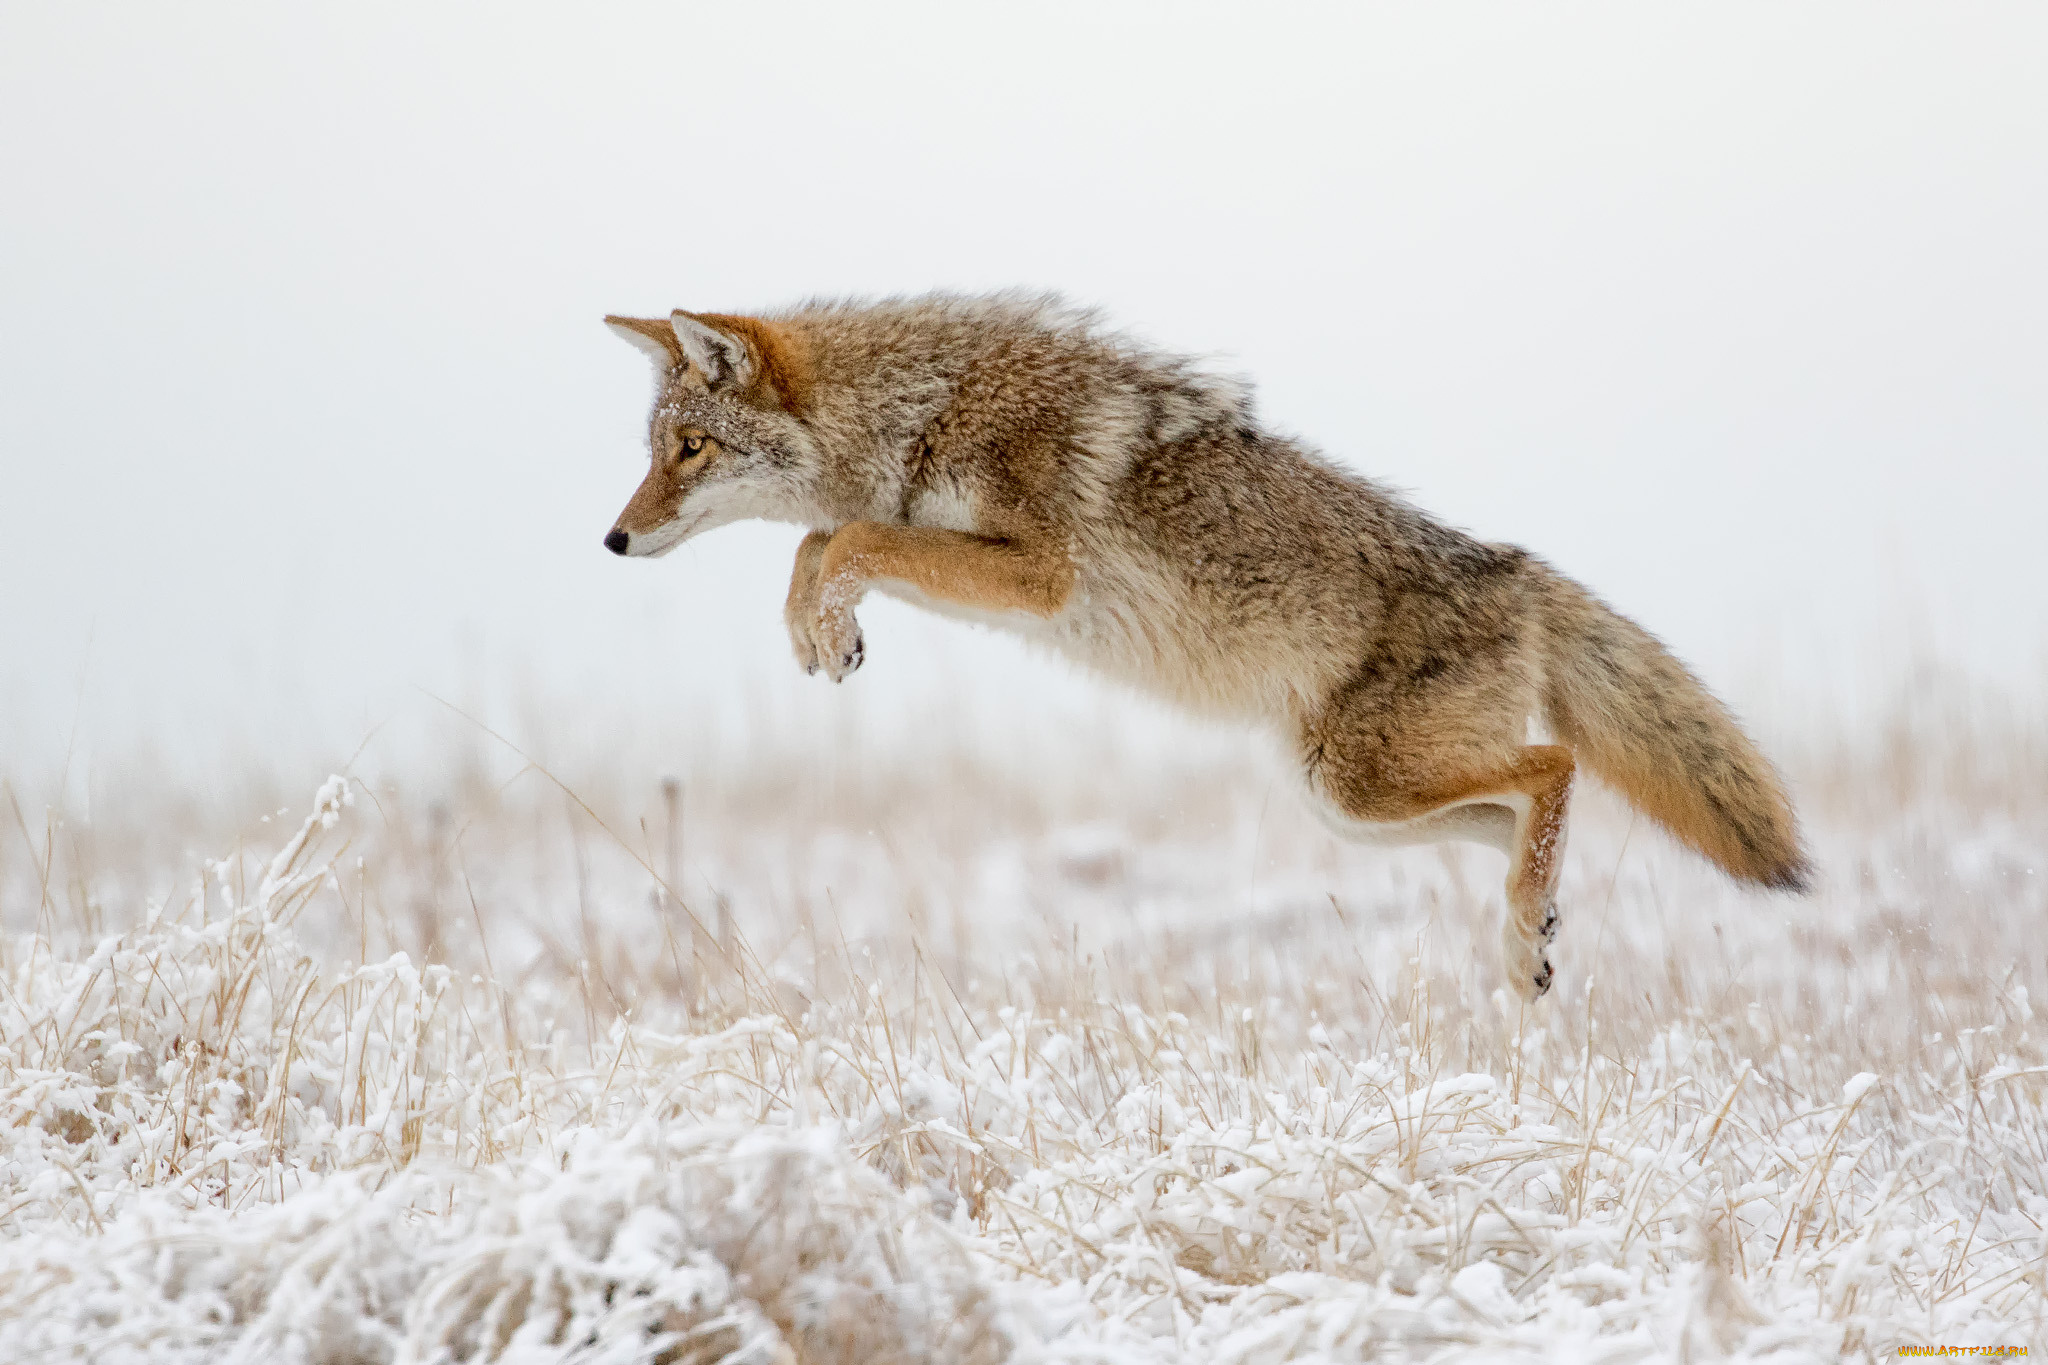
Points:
(1009, 460)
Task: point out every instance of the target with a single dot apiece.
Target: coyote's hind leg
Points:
(1542, 777)
(1516, 802)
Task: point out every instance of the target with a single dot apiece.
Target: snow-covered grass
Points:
(1109, 1058)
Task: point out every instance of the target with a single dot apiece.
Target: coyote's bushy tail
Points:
(1643, 723)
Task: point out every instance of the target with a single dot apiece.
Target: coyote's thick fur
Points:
(1009, 460)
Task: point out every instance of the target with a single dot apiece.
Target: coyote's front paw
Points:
(800, 609)
(801, 618)
(836, 640)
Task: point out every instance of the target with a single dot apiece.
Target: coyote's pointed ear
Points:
(722, 357)
(652, 336)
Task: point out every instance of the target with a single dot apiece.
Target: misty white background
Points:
(1738, 313)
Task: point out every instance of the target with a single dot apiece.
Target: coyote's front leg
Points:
(1016, 573)
(800, 611)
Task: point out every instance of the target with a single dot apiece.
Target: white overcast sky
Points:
(1736, 312)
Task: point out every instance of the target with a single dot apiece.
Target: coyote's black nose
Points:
(615, 541)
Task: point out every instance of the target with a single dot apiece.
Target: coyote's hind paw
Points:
(1527, 957)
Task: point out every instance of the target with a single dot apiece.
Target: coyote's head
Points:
(726, 441)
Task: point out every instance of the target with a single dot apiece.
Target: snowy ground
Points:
(1104, 1053)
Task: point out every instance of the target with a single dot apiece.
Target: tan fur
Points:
(989, 573)
(1008, 459)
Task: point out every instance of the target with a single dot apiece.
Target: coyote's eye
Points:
(692, 444)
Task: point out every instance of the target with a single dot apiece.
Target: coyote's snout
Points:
(1008, 460)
